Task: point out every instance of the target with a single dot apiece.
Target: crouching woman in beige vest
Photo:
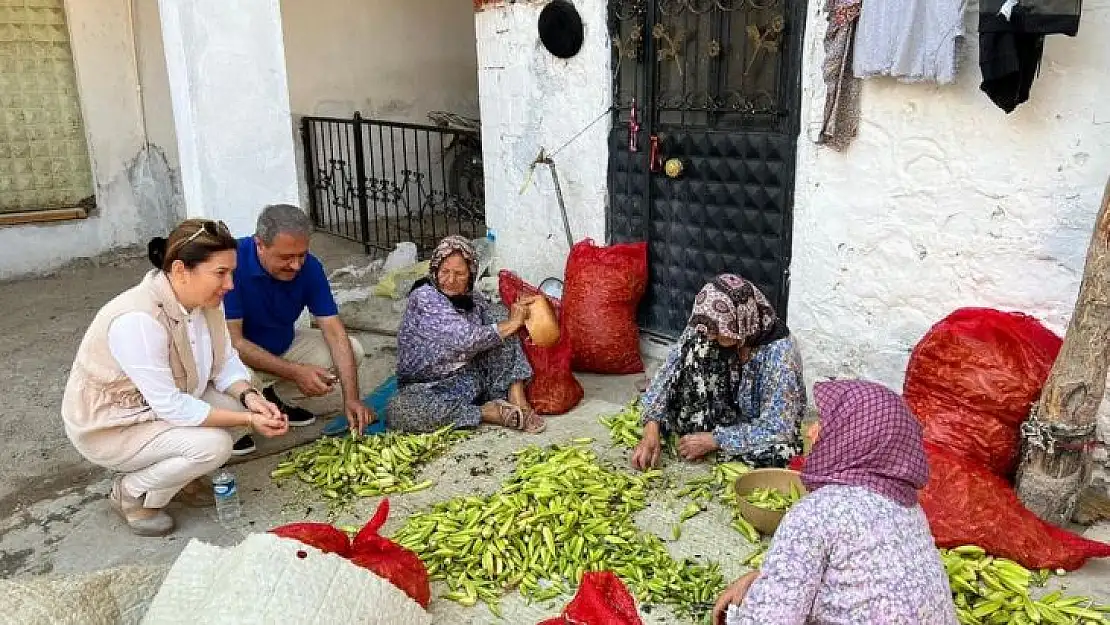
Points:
(156, 382)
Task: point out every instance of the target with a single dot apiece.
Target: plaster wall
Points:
(530, 100)
(137, 191)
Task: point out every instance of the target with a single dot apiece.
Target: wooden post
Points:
(1060, 433)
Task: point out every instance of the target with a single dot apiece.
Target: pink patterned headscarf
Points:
(868, 438)
(731, 306)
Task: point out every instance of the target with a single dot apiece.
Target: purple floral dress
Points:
(450, 361)
(845, 555)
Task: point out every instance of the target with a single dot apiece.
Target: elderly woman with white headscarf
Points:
(459, 362)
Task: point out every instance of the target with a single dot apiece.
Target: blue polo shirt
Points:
(268, 307)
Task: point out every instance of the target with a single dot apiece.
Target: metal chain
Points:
(1048, 435)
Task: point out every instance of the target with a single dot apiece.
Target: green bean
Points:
(344, 468)
(560, 515)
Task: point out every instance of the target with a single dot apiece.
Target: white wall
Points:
(137, 194)
(226, 66)
(531, 99)
(944, 201)
(391, 60)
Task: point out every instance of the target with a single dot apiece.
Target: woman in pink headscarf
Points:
(857, 548)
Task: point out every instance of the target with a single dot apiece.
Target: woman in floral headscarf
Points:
(458, 359)
(732, 384)
(857, 548)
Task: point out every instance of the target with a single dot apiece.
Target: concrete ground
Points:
(54, 519)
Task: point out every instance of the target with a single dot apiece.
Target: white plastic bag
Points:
(266, 580)
(404, 255)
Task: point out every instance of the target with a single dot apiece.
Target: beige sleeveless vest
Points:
(105, 416)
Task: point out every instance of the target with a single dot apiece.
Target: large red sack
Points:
(553, 389)
(602, 599)
(320, 535)
(967, 504)
(602, 291)
(972, 380)
(403, 568)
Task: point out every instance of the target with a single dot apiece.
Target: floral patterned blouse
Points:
(435, 340)
(771, 397)
(845, 555)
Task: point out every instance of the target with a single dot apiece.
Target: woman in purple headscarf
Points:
(732, 384)
(857, 548)
(458, 359)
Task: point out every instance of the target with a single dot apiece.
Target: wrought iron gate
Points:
(717, 83)
(381, 183)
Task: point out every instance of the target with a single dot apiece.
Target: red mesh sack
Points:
(387, 559)
(553, 389)
(967, 504)
(320, 535)
(603, 289)
(602, 599)
(972, 380)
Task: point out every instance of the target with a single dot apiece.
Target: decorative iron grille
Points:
(715, 86)
(381, 183)
(715, 64)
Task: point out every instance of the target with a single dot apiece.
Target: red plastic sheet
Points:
(320, 535)
(967, 504)
(971, 381)
(389, 560)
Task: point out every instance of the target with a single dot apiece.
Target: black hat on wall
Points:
(561, 30)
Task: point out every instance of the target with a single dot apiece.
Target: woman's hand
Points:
(265, 417)
(519, 313)
(733, 595)
(256, 403)
(268, 426)
(647, 451)
(697, 446)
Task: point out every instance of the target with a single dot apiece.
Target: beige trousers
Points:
(309, 348)
(178, 456)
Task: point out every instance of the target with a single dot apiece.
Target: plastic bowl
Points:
(766, 521)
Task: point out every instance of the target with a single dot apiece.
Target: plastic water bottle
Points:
(485, 249)
(227, 496)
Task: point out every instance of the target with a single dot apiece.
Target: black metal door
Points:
(717, 82)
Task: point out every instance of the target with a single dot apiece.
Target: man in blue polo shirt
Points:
(305, 371)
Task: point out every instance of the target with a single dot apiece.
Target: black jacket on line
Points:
(1010, 50)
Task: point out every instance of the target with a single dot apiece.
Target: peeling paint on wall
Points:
(943, 201)
(532, 100)
(142, 200)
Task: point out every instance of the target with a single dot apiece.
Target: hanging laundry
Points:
(912, 40)
(1011, 43)
(842, 96)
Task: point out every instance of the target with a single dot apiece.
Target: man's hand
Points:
(649, 449)
(697, 446)
(733, 595)
(314, 381)
(359, 415)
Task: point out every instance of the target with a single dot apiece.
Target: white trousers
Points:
(310, 348)
(177, 456)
